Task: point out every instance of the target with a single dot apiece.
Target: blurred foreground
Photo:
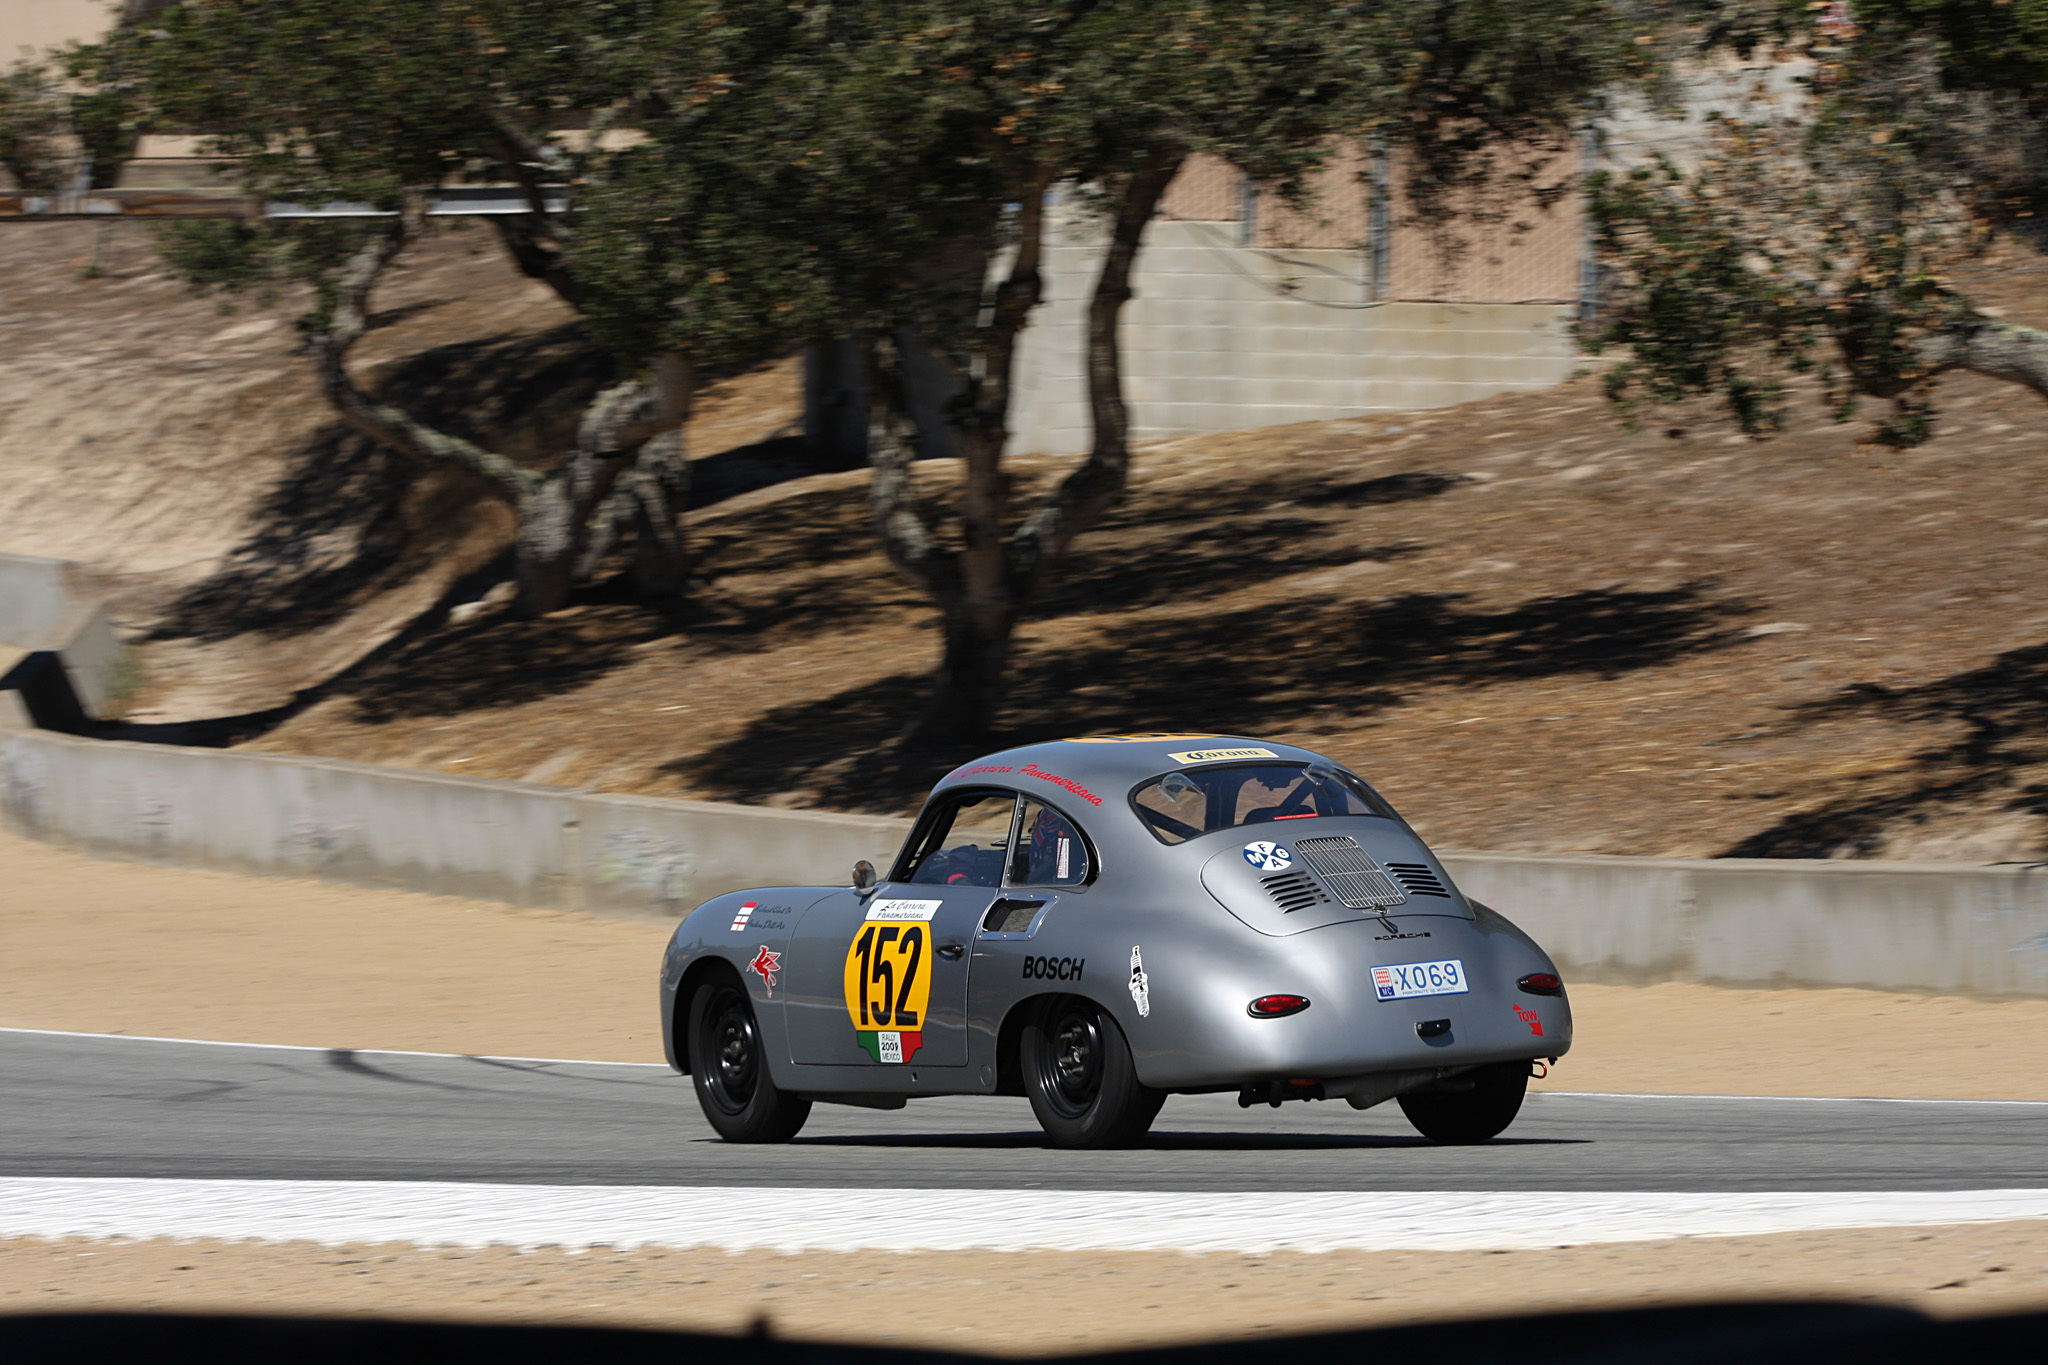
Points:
(1675, 1302)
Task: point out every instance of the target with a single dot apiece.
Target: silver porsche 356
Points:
(1098, 923)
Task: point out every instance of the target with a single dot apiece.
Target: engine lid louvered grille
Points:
(1418, 879)
(1293, 891)
(1355, 878)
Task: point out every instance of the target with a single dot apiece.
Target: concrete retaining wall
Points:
(419, 831)
(72, 662)
(1938, 927)
(1900, 926)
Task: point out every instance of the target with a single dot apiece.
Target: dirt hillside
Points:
(1535, 628)
(251, 544)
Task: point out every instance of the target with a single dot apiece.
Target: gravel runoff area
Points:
(998, 1303)
(126, 948)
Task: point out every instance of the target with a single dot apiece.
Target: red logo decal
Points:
(766, 964)
(1531, 1018)
(1033, 770)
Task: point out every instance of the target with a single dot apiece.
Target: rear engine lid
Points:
(1333, 876)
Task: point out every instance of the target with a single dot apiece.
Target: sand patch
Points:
(1032, 1302)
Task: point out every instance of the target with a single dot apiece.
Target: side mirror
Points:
(864, 879)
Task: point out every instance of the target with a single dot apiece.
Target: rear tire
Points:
(1083, 1085)
(730, 1068)
(1463, 1116)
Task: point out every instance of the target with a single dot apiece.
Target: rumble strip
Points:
(800, 1218)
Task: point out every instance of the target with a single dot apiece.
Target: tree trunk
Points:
(969, 685)
(381, 422)
(553, 546)
(661, 490)
(2001, 350)
(1094, 488)
(974, 588)
(555, 518)
(981, 591)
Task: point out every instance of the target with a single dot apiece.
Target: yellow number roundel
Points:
(888, 976)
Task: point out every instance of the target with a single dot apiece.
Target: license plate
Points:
(1419, 978)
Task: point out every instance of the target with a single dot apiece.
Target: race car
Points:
(1098, 923)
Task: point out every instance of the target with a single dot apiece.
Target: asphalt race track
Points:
(93, 1106)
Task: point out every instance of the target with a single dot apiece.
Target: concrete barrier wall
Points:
(1899, 926)
(420, 831)
(48, 608)
(1940, 927)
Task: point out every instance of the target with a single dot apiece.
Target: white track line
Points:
(302, 1047)
(804, 1219)
(663, 1066)
(1770, 1099)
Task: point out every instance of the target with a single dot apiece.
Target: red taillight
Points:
(1541, 983)
(1276, 1006)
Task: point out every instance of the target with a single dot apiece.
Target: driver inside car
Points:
(1056, 855)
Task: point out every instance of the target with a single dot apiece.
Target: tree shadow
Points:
(350, 519)
(1169, 1140)
(495, 662)
(1100, 578)
(1304, 481)
(2002, 709)
(1250, 671)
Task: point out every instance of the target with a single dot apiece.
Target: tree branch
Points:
(1999, 350)
(535, 240)
(381, 422)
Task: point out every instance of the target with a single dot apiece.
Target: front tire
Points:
(730, 1068)
(1466, 1116)
(1083, 1085)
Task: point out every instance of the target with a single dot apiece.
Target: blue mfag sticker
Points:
(1268, 856)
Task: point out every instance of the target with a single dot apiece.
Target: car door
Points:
(881, 980)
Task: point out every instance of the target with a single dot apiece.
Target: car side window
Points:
(1050, 849)
(967, 844)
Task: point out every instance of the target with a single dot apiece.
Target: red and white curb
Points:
(742, 1218)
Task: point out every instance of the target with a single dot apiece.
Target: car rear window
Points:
(1179, 806)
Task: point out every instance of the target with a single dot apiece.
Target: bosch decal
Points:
(1053, 968)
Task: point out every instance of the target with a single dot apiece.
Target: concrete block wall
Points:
(63, 660)
(1224, 337)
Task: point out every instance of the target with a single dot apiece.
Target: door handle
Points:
(952, 952)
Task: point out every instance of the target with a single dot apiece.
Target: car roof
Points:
(1096, 770)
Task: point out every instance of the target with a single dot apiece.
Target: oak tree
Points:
(1826, 236)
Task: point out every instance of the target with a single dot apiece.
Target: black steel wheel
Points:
(1469, 1114)
(734, 1088)
(1083, 1085)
